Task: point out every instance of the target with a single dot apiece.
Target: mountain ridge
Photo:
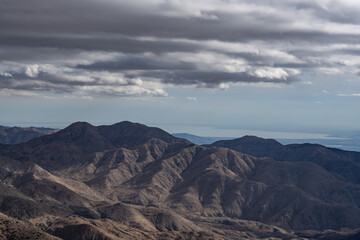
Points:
(342, 162)
(14, 135)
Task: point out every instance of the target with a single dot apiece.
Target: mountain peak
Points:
(252, 145)
(77, 131)
(248, 140)
(79, 140)
(125, 133)
(77, 125)
(98, 138)
(121, 134)
(255, 139)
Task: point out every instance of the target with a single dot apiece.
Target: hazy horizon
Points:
(199, 130)
(346, 140)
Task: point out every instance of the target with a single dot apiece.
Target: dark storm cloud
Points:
(146, 19)
(41, 82)
(97, 43)
(24, 83)
(203, 43)
(85, 25)
(138, 63)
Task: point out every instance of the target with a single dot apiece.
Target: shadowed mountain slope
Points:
(75, 143)
(346, 164)
(134, 179)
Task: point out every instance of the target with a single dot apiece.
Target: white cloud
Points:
(307, 82)
(223, 86)
(330, 70)
(270, 73)
(136, 81)
(80, 83)
(348, 94)
(32, 71)
(5, 74)
(89, 98)
(191, 98)
(23, 93)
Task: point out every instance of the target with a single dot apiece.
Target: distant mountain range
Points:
(13, 135)
(199, 140)
(343, 163)
(344, 140)
(130, 181)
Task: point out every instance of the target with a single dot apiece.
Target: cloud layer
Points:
(138, 48)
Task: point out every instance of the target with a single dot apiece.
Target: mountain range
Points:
(130, 181)
(14, 135)
(198, 139)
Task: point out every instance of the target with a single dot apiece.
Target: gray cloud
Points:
(138, 63)
(93, 46)
(212, 79)
(44, 78)
(96, 43)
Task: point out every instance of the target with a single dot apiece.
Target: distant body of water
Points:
(350, 144)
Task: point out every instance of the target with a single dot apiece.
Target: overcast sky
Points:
(184, 65)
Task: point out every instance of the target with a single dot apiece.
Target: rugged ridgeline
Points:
(344, 164)
(14, 135)
(130, 181)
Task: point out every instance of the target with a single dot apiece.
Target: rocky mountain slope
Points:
(344, 164)
(11, 228)
(128, 181)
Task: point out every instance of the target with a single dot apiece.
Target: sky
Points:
(212, 68)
